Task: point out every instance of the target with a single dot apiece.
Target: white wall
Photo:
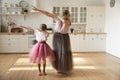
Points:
(113, 28)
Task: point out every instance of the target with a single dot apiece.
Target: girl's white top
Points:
(41, 36)
(61, 26)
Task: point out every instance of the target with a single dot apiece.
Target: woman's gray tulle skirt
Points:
(63, 54)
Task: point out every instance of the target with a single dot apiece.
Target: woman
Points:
(61, 41)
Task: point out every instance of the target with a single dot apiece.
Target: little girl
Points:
(41, 49)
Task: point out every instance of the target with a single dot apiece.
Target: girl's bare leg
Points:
(39, 68)
(44, 66)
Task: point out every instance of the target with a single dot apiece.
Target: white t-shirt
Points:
(41, 36)
(60, 26)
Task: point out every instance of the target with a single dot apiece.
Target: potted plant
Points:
(71, 30)
(24, 10)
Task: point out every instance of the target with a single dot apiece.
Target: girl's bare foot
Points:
(44, 73)
(40, 74)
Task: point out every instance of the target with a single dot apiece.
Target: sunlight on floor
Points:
(78, 59)
(26, 60)
(22, 68)
(48, 68)
(24, 64)
(22, 60)
(25, 55)
(84, 67)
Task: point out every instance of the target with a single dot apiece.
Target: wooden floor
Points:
(87, 66)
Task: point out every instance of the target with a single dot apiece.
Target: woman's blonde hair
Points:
(66, 15)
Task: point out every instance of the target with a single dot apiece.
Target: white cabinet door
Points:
(95, 43)
(76, 42)
(78, 14)
(91, 43)
(9, 43)
(95, 19)
(102, 42)
(24, 44)
(14, 43)
(83, 43)
(88, 43)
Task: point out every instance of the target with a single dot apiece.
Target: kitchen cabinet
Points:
(19, 43)
(14, 44)
(95, 43)
(24, 45)
(92, 18)
(9, 43)
(79, 43)
(95, 19)
(88, 42)
(76, 42)
(78, 14)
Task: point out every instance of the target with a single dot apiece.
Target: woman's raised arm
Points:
(52, 15)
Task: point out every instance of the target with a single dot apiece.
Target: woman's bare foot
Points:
(63, 73)
(59, 72)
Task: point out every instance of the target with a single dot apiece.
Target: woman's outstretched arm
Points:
(52, 15)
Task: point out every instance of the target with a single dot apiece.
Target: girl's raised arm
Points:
(30, 28)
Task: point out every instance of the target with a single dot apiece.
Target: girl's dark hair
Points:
(66, 14)
(43, 27)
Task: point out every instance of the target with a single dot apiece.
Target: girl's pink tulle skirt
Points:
(40, 52)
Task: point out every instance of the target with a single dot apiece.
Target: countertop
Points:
(5, 33)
